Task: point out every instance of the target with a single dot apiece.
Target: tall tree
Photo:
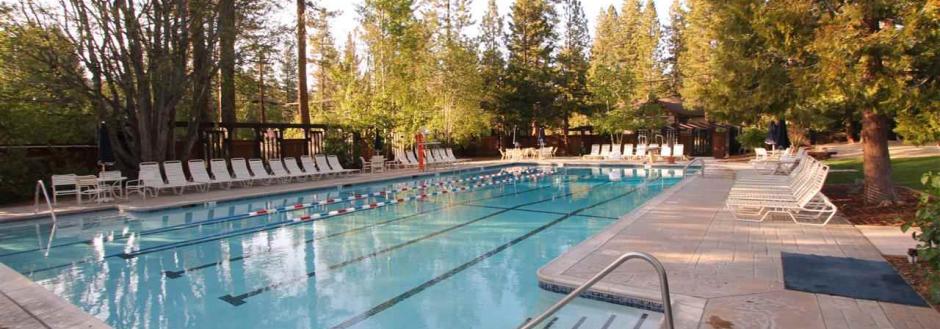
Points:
(303, 97)
(325, 56)
(492, 64)
(675, 37)
(648, 38)
(573, 63)
(136, 78)
(456, 84)
(227, 36)
(530, 43)
(696, 60)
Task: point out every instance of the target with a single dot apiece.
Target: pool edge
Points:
(38, 306)
(551, 278)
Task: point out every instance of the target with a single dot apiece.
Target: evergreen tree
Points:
(573, 63)
(648, 38)
(697, 56)
(456, 83)
(675, 36)
(324, 56)
(531, 41)
(492, 64)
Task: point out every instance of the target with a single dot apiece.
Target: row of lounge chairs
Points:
(797, 194)
(626, 152)
(243, 172)
(438, 156)
(779, 162)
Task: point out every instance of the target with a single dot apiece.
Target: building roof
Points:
(674, 105)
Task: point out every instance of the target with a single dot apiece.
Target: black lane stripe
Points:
(210, 238)
(540, 211)
(551, 323)
(640, 323)
(580, 322)
(237, 300)
(178, 274)
(610, 320)
(209, 221)
(416, 290)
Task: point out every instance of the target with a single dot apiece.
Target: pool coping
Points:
(686, 309)
(28, 304)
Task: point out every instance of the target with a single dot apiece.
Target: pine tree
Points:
(573, 63)
(648, 38)
(675, 37)
(697, 55)
(530, 42)
(610, 79)
(456, 84)
(492, 64)
(324, 56)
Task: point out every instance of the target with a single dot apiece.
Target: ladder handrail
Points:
(41, 186)
(699, 160)
(663, 281)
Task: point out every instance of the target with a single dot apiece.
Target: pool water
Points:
(462, 259)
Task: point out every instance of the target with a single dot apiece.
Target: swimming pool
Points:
(456, 250)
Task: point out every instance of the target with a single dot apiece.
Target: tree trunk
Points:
(227, 60)
(303, 98)
(879, 189)
(202, 77)
(877, 161)
(850, 127)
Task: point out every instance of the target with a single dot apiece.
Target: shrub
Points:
(927, 218)
(751, 138)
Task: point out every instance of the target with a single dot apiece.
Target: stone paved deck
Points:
(725, 273)
(26, 305)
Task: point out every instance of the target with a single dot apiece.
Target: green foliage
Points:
(18, 173)
(529, 95)
(618, 122)
(752, 137)
(927, 219)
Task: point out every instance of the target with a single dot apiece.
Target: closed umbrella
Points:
(541, 137)
(105, 153)
(781, 137)
(771, 135)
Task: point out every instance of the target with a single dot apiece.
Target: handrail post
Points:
(663, 281)
(40, 186)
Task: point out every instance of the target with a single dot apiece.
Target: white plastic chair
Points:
(59, 181)
(260, 172)
(334, 163)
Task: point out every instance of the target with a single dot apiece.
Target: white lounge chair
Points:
(595, 152)
(403, 160)
(279, 169)
(337, 167)
(200, 174)
(678, 151)
(261, 173)
(614, 153)
(323, 165)
(219, 170)
(149, 180)
(240, 169)
(793, 196)
(640, 151)
(176, 177)
(665, 151)
(627, 151)
(63, 185)
(311, 167)
(605, 151)
(412, 157)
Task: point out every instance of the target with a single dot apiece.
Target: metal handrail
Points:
(40, 186)
(663, 281)
(699, 160)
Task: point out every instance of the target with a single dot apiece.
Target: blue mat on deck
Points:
(848, 277)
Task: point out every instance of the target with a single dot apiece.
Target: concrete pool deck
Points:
(725, 273)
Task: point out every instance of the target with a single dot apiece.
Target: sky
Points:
(347, 19)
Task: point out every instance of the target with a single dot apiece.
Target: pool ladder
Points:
(663, 283)
(41, 187)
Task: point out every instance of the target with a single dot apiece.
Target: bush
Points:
(927, 218)
(751, 138)
(19, 172)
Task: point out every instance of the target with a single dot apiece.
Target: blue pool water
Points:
(464, 259)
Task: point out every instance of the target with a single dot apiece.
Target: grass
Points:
(905, 171)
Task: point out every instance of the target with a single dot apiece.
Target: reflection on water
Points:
(467, 258)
